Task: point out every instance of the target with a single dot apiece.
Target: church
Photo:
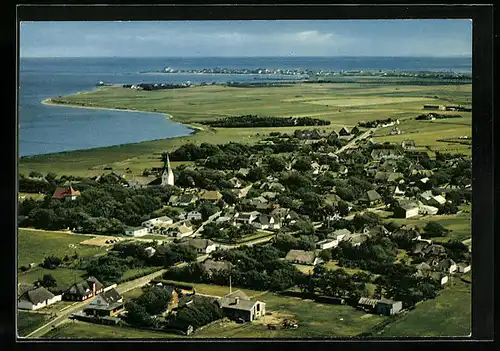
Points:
(167, 178)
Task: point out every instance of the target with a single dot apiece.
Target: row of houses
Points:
(448, 108)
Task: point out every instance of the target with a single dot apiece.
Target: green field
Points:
(459, 224)
(135, 271)
(216, 290)
(35, 245)
(63, 276)
(29, 321)
(447, 315)
(83, 330)
(340, 103)
(316, 320)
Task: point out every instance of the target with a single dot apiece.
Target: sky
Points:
(433, 38)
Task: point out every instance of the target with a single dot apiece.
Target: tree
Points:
(48, 281)
(434, 229)
(51, 262)
(369, 219)
(137, 315)
(302, 164)
(207, 209)
(448, 208)
(276, 163)
(154, 299)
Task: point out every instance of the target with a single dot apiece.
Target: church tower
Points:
(167, 178)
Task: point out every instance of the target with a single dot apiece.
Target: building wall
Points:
(234, 314)
(25, 305)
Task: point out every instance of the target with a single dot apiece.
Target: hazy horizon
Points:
(274, 38)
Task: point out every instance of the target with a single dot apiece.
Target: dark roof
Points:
(300, 255)
(371, 195)
(237, 300)
(22, 288)
(111, 296)
(83, 287)
(37, 295)
(211, 265)
(199, 243)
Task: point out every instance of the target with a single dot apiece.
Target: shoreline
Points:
(49, 102)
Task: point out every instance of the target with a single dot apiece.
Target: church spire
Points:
(167, 177)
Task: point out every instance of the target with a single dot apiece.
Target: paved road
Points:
(353, 142)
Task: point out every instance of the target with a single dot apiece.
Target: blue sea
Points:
(47, 129)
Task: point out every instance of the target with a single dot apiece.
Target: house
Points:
(243, 171)
(265, 221)
(164, 220)
(383, 306)
(150, 251)
(398, 192)
(237, 305)
(355, 130)
(413, 233)
(408, 144)
(235, 182)
(269, 195)
(357, 238)
(344, 131)
(423, 267)
(378, 230)
(333, 135)
(379, 154)
(435, 250)
(210, 195)
(432, 200)
(326, 244)
(194, 215)
(447, 266)
(308, 134)
(211, 266)
(395, 131)
(66, 193)
(405, 209)
(240, 193)
(24, 287)
(246, 217)
(389, 177)
(202, 246)
(259, 202)
(136, 231)
(181, 229)
(84, 290)
(302, 257)
(285, 215)
(371, 198)
(427, 210)
(439, 277)
(36, 298)
(388, 307)
(182, 200)
(463, 267)
(106, 304)
(339, 234)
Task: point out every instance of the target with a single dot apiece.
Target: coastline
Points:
(48, 101)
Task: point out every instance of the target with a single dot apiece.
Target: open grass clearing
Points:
(83, 330)
(316, 320)
(35, 245)
(29, 321)
(447, 315)
(64, 276)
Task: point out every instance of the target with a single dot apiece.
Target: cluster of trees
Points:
(434, 229)
(435, 115)
(335, 283)
(254, 121)
(103, 208)
(376, 254)
(373, 124)
(153, 301)
(257, 267)
(202, 311)
(227, 232)
(286, 242)
(400, 283)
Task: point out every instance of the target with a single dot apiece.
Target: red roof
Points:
(61, 193)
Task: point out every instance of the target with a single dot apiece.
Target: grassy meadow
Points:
(343, 104)
(30, 321)
(35, 245)
(447, 315)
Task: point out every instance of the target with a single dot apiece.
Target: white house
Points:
(246, 217)
(432, 200)
(150, 251)
(194, 215)
(427, 210)
(266, 222)
(463, 268)
(181, 230)
(157, 221)
(447, 266)
(326, 244)
(202, 246)
(37, 298)
(137, 231)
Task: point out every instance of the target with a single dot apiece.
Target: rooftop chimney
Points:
(236, 300)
